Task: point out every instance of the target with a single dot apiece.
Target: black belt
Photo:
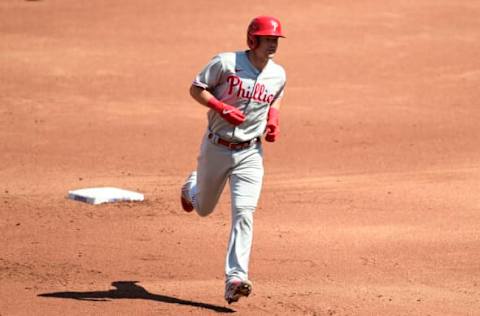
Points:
(234, 146)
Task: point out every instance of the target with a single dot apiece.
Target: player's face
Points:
(267, 46)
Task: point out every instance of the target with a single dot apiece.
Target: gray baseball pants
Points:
(244, 170)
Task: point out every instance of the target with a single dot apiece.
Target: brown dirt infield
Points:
(371, 201)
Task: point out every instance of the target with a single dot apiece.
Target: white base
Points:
(104, 195)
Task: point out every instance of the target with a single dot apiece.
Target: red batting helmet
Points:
(263, 26)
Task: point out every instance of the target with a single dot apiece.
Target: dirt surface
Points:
(371, 201)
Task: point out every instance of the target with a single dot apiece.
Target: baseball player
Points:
(243, 91)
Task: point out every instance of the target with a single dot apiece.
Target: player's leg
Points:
(245, 183)
(206, 184)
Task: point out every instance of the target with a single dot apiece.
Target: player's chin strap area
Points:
(215, 139)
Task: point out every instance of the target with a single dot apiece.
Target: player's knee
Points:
(202, 213)
(204, 210)
(205, 207)
(244, 220)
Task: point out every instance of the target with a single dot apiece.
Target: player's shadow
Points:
(130, 290)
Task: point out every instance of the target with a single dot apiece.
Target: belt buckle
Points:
(237, 146)
(244, 145)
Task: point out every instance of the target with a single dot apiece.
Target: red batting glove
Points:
(229, 113)
(273, 127)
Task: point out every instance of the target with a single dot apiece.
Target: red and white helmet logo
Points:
(275, 26)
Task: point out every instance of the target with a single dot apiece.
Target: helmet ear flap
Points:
(252, 41)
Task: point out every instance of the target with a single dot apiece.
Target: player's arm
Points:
(272, 130)
(276, 104)
(229, 113)
(200, 94)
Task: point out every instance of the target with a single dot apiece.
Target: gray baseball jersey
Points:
(233, 80)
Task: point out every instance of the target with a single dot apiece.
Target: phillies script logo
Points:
(258, 93)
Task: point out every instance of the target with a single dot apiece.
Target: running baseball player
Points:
(243, 91)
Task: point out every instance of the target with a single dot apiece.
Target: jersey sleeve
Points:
(210, 76)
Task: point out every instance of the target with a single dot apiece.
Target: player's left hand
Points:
(273, 127)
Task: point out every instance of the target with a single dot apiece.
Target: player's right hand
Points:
(228, 112)
(232, 115)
